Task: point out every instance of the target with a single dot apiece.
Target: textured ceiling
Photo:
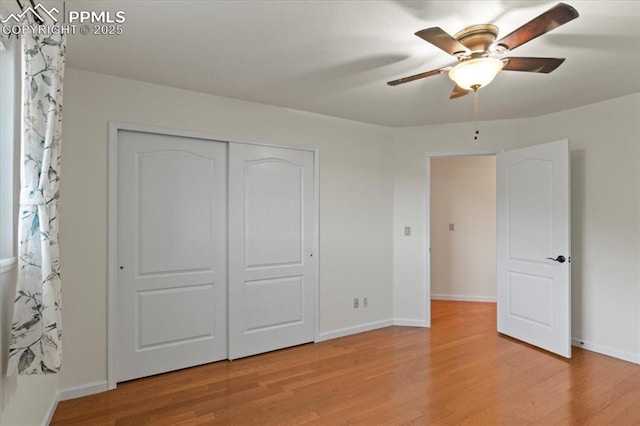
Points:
(335, 57)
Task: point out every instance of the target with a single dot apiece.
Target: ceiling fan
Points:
(480, 56)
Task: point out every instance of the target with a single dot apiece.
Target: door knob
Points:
(559, 259)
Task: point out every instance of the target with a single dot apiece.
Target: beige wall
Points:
(463, 261)
(356, 184)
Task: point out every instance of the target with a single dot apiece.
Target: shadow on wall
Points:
(8, 385)
(578, 207)
(24, 400)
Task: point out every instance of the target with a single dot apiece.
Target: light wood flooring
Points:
(458, 372)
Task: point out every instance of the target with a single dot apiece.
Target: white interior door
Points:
(171, 253)
(533, 250)
(271, 257)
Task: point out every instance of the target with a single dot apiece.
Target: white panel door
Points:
(271, 243)
(171, 291)
(533, 246)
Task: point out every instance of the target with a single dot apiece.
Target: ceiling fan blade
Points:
(418, 76)
(558, 15)
(458, 92)
(440, 38)
(543, 65)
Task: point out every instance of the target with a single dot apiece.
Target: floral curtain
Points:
(35, 346)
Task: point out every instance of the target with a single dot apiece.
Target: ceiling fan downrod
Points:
(475, 111)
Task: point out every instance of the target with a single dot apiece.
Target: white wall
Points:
(24, 400)
(463, 260)
(356, 184)
(605, 212)
(411, 144)
(605, 188)
(363, 197)
(10, 77)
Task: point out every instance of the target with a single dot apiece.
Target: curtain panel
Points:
(35, 346)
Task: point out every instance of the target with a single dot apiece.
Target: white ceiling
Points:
(335, 57)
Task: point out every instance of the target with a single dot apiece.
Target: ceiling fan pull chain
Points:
(475, 113)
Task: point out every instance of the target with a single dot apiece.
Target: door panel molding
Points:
(534, 226)
(172, 217)
(271, 253)
(114, 127)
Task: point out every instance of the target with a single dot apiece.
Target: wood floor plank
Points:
(460, 371)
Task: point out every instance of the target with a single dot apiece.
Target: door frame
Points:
(112, 220)
(427, 215)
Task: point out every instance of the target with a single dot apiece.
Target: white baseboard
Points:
(8, 264)
(50, 411)
(605, 350)
(463, 298)
(353, 330)
(82, 390)
(71, 393)
(404, 322)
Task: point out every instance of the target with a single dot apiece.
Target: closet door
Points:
(271, 242)
(171, 253)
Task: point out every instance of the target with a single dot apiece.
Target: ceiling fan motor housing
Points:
(478, 39)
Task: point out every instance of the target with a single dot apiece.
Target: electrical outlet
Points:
(356, 303)
(365, 302)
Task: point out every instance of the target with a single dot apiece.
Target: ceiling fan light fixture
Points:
(475, 73)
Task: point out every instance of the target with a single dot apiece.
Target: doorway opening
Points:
(462, 228)
(532, 247)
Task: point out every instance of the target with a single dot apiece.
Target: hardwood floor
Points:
(458, 372)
